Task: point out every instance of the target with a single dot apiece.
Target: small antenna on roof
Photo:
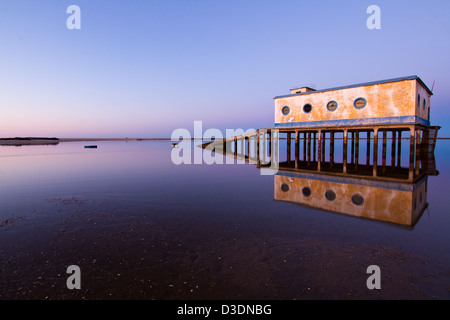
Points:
(432, 88)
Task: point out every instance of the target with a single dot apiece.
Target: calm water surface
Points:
(140, 227)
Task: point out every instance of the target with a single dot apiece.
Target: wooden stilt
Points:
(393, 146)
(356, 150)
(345, 151)
(319, 146)
(264, 147)
(399, 149)
(296, 149)
(375, 152)
(411, 153)
(352, 152)
(257, 146)
(314, 147)
(270, 143)
(324, 137)
(383, 163)
(331, 149)
(418, 140)
(309, 149)
(304, 146)
(288, 147)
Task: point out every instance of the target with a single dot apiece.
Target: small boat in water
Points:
(90, 147)
(174, 145)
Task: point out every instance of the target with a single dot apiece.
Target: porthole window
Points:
(285, 110)
(360, 103)
(330, 195)
(284, 187)
(332, 105)
(306, 191)
(357, 199)
(307, 108)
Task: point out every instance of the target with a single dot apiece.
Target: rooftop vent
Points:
(303, 89)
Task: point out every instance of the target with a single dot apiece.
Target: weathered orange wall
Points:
(393, 99)
(420, 110)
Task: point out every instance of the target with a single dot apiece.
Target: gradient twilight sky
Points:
(143, 68)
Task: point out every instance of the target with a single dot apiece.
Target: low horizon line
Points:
(141, 139)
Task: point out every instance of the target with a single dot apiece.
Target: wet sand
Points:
(124, 254)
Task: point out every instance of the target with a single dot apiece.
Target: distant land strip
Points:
(118, 139)
(109, 139)
(20, 141)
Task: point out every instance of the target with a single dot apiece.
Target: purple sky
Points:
(145, 68)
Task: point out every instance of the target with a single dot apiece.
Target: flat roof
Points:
(362, 85)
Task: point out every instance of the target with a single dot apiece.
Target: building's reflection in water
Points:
(391, 188)
(355, 179)
(400, 202)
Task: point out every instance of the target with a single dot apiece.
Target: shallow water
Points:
(141, 227)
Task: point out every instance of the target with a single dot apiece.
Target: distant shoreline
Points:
(169, 139)
(19, 141)
(119, 139)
